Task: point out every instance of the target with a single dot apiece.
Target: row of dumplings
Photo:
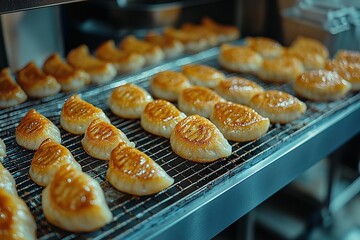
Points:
(82, 68)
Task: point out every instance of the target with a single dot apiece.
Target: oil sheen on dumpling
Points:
(7, 181)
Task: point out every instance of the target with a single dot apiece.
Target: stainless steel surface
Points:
(205, 198)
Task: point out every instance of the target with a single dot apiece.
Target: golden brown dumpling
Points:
(266, 47)
(7, 181)
(75, 202)
(192, 41)
(202, 75)
(311, 45)
(172, 48)
(34, 128)
(134, 172)
(347, 70)
(310, 60)
(348, 56)
(197, 139)
(225, 33)
(11, 93)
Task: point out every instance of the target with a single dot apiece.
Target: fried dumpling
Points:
(172, 48)
(152, 53)
(192, 41)
(125, 62)
(101, 138)
(347, 70)
(210, 36)
(2, 150)
(197, 139)
(36, 83)
(238, 123)
(310, 60)
(282, 69)
(100, 71)
(225, 33)
(133, 172)
(202, 75)
(7, 181)
(16, 219)
(198, 100)
(348, 56)
(129, 101)
(11, 93)
(238, 90)
(266, 47)
(48, 158)
(278, 106)
(321, 85)
(34, 128)
(311, 45)
(77, 114)
(75, 202)
(69, 78)
(168, 85)
(239, 59)
(160, 118)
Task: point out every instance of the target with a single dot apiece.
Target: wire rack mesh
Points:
(191, 179)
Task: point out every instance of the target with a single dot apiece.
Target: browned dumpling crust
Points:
(11, 94)
(16, 219)
(321, 85)
(129, 101)
(311, 45)
(198, 100)
(210, 36)
(168, 85)
(347, 70)
(36, 83)
(152, 53)
(125, 62)
(77, 114)
(7, 181)
(225, 33)
(202, 75)
(197, 139)
(133, 172)
(192, 41)
(239, 59)
(266, 47)
(100, 71)
(48, 158)
(75, 202)
(348, 56)
(69, 78)
(101, 138)
(282, 69)
(278, 106)
(172, 47)
(238, 90)
(239, 123)
(33, 129)
(310, 60)
(160, 118)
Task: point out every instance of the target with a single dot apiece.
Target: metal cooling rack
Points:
(205, 198)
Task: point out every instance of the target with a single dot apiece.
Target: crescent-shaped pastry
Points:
(172, 48)
(2, 150)
(348, 56)
(75, 202)
(197, 139)
(238, 90)
(152, 53)
(168, 85)
(7, 181)
(282, 69)
(278, 106)
(310, 60)
(210, 36)
(239, 59)
(125, 62)
(33, 129)
(160, 118)
(69, 78)
(347, 70)
(11, 94)
(198, 100)
(129, 101)
(47, 160)
(266, 47)
(238, 123)
(77, 114)
(101, 138)
(100, 71)
(225, 33)
(16, 219)
(192, 41)
(310, 45)
(36, 83)
(321, 85)
(134, 172)
(202, 75)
